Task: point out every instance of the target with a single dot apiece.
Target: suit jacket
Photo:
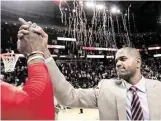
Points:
(109, 97)
(34, 101)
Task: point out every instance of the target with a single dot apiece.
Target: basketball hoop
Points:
(9, 60)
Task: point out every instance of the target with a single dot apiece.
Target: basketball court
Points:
(73, 114)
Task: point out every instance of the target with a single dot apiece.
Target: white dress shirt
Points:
(142, 93)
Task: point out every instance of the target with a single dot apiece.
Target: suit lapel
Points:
(153, 100)
(121, 101)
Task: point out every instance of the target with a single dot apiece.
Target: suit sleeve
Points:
(18, 103)
(66, 94)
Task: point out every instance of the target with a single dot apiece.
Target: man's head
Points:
(128, 63)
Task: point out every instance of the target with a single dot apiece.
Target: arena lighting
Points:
(22, 56)
(88, 56)
(74, 10)
(113, 49)
(154, 48)
(109, 56)
(80, 2)
(98, 48)
(118, 11)
(157, 55)
(90, 4)
(56, 46)
(114, 9)
(54, 55)
(81, 56)
(66, 39)
(100, 6)
(63, 56)
(95, 56)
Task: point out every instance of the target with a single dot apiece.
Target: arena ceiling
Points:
(147, 13)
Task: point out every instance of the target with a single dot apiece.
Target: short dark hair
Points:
(132, 52)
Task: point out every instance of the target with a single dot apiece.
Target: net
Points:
(9, 61)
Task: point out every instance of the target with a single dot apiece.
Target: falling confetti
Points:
(105, 28)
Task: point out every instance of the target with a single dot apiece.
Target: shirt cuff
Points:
(48, 59)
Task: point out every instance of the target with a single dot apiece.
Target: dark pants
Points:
(81, 110)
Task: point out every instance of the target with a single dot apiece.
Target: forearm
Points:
(37, 78)
(55, 75)
(54, 72)
(65, 92)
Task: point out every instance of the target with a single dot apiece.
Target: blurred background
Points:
(85, 35)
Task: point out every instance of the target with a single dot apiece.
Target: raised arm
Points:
(63, 90)
(65, 93)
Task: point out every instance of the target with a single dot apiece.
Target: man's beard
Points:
(126, 76)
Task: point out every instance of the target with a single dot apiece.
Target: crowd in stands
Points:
(84, 72)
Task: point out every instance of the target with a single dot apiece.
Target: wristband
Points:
(35, 57)
(35, 52)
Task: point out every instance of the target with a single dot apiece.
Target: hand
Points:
(31, 39)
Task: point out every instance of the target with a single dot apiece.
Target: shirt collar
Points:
(140, 85)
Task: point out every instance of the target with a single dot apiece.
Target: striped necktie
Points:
(136, 109)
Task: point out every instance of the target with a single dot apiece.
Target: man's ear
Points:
(139, 62)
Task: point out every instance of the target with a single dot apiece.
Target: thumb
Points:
(22, 21)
